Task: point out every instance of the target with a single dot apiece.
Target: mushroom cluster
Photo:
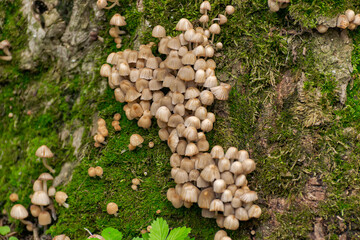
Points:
(176, 91)
(217, 182)
(42, 208)
(5, 46)
(117, 21)
(276, 5)
(349, 20)
(102, 132)
(95, 171)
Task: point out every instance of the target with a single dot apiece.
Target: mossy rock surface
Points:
(287, 107)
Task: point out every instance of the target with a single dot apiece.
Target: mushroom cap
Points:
(159, 32)
(217, 152)
(40, 198)
(220, 234)
(18, 211)
(51, 191)
(231, 222)
(13, 197)
(60, 197)
(249, 197)
(254, 211)
(215, 28)
(183, 25)
(210, 173)
(44, 152)
(229, 9)
(61, 237)
(205, 198)
(45, 177)
(35, 210)
(38, 186)
(216, 205)
(44, 218)
(112, 208)
(136, 139)
(117, 20)
(241, 214)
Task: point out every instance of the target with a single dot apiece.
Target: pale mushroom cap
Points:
(136, 140)
(215, 28)
(45, 177)
(189, 193)
(38, 186)
(249, 197)
(229, 9)
(40, 198)
(35, 210)
(254, 211)
(159, 32)
(183, 25)
(219, 185)
(18, 211)
(220, 234)
(44, 218)
(217, 152)
(112, 208)
(44, 152)
(60, 197)
(205, 198)
(231, 222)
(241, 214)
(51, 191)
(117, 20)
(216, 205)
(61, 237)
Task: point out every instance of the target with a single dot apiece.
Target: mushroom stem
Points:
(6, 58)
(116, 214)
(44, 186)
(65, 205)
(111, 6)
(36, 234)
(52, 210)
(189, 45)
(212, 37)
(6, 51)
(88, 231)
(100, 39)
(26, 222)
(47, 166)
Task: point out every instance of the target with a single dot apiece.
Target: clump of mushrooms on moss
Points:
(176, 91)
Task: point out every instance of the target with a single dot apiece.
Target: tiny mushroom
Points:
(112, 209)
(44, 152)
(135, 140)
(13, 197)
(60, 198)
(99, 171)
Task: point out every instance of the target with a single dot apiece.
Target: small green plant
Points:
(4, 230)
(159, 231)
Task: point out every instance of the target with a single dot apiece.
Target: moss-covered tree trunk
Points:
(294, 106)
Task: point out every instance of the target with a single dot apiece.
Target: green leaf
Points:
(111, 234)
(4, 230)
(179, 233)
(137, 238)
(13, 238)
(145, 236)
(159, 229)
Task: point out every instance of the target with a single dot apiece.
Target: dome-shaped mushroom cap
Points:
(44, 218)
(44, 152)
(231, 222)
(40, 198)
(229, 9)
(215, 28)
(216, 205)
(159, 32)
(183, 25)
(231, 153)
(112, 208)
(254, 211)
(217, 152)
(136, 140)
(60, 197)
(210, 173)
(117, 20)
(45, 177)
(18, 211)
(61, 237)
(220, 234)
(249, 197)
